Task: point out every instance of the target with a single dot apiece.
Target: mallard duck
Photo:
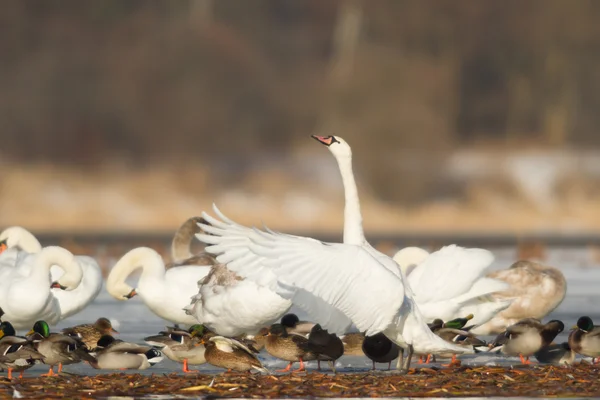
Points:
(293, 325)
(91, 333)
(555, 354)
(57, 348)
(113, 353)
(535, 291)
(585, 338)
(455, 335)
(288, 347)
(230, 354)
(526, 337)
(378, 348)
(180, 345)
(16, 353)
(327, 346)
(257, 341)
(353, 343)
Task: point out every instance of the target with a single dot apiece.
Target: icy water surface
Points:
(134, 321)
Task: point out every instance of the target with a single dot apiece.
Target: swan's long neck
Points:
(145, 258)
(353, 229)
(180, 247)
(21, 238)
(54, 255)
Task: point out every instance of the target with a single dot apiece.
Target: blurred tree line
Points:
(172, 81)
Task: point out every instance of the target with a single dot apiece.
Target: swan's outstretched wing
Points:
(448, 273)
(346, 277)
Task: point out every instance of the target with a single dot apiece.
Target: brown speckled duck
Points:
(91, 333)
(288, 347)
(231, 354)
(180, 345)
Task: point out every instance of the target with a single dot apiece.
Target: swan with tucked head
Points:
(165, 292)
(71, 302)
(25, 295)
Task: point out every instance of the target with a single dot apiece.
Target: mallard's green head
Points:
(40, 327)
(458, 323)
(585, 324)
(197, 330)
(6, 329)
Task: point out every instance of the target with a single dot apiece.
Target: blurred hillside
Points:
(136, 114)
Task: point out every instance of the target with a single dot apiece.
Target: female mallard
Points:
(288, 347)
(535, 290)
(293, 324)
(16, 353)
(560, 354)
(91, 333)
(327, 346)
(116, 354)
(57, 348)
(181, 346)
(585, 338)
(526, 337)
(230, 354)
(378, 348)
(353, 344)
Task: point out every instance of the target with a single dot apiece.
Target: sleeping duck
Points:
(526, 337)
(560, 354)
(378, 348)
(289, 347)
(113, 353)
(327, 346)
(230, 354)
(585, 338)
(181, 346)
(90, 334)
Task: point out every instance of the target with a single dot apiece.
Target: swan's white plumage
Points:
(449, 283)
(71, 302)
(231, 306)
(25, 295)
(165, 292)
(350, 278)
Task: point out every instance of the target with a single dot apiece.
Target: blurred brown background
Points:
(464, 115)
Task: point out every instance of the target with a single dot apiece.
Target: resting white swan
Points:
(165, 292)
(536, 290)
(449, 283)
(354, 278)
(25, 295)
(71, 302)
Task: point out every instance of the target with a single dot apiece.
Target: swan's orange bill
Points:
(325, 140)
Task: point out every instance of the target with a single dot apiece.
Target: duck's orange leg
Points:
(301, 369)
(524, 360)
(452, 362)
(9, 376)
(21, 375)
(186, 368)
(287, 369)
(59, 368)
(420, 360)
(50, 372)
(428, 359)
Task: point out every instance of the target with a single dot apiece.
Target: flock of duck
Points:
(236, 294)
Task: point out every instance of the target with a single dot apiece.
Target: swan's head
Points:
(63, 258)
(409, 257)
(335, 144)
(141, 257)
(17, 236)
